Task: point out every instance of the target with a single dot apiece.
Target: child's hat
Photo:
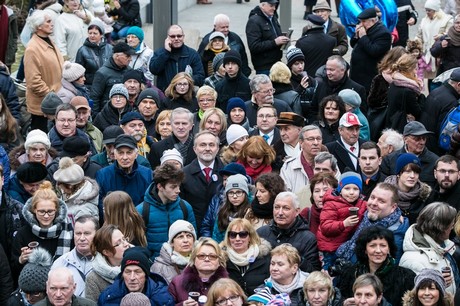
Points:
(350, 178)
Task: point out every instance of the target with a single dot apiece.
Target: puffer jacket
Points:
(256, 272)
(209, 220)
(8, 90)
(422, 252)
(300, 237)
(84, 201)
(332, 233)
(155, 289)
(169, 263)
(92, 57)
(141, 60)
(161, 216)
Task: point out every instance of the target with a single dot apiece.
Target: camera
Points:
(339, 265)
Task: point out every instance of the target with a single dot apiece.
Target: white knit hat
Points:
(72, 71)
(235, 132)
(434, 5)
(178, 227)
(171, 154)
(68, 172)
(37, 136)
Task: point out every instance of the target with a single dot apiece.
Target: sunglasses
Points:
(176, 36)
(242, 234)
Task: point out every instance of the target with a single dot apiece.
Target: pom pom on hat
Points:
(178, 227)
(37, 136)
(72, 71)
(68, 172)
(294, 54)
(34, 275)
(350, 178)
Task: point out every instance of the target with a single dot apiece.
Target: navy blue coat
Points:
(8, 91)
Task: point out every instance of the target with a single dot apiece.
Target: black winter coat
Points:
(408, 12)
(5, 277)
(449, 56)
(8, 91)
(438, 103)
(405, 100)
(232, 87)
(157, 149)
(261, 39)
(128, 13)
(251, 110)
(329, 132)
(316, 54)
(108, 75)
(367, 53)
(450, 196)
(110, 116)
(92, 57)
(192, 106)
(300, 237)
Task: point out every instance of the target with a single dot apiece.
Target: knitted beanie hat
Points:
(235, 132)
(138, 256)
(72, 71)
(171, 154)
(31, 172)
(281, 299)
(119, 89)
(133, 74)
(37, 136)
(262, 295)
(149, 93)
(68, 172)
(34, 275)
(50, 102)
(232, 56)
(134, 30)
(294, 54)
(178, 227)
(350, 178)
(218, 61)
(235, 102)
(433, 275)
(434, 5)
(405, 159)
(237, 181)
(350, 97)
(135, 299)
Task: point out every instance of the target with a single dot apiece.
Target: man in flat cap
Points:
(289, 125)
(315, 54)
(370, 43)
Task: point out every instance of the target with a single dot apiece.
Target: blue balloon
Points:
(350, 9)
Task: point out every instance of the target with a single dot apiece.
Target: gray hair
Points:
(435, 219)
(307, 128)
(221, 18)
(35, 20)
(257, 80)
(342, 62)
(289, 195)
(180, 111)
(393, 138)
(204, 132)
(324, 156)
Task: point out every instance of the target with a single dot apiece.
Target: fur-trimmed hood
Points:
(87, 193)
(18, 156)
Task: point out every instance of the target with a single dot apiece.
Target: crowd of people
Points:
(178, 176)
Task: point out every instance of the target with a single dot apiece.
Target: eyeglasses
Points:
(444, 171)
(268, 91)
(62, 120)
(242, 234)
(176, 36)
(182, 84)
(211, 257)
(262, 116)
(237, 193)
(224, 301)
(42, 212)
(131, 36)
(121, 241)
(206, 100)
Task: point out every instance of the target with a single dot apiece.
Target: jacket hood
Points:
(416, 241)
(31, 220)
(17, 155)
(87, 193)
(264, 248)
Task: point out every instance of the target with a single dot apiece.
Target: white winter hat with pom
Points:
(68, 172)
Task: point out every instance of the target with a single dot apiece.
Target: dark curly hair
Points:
(272, 182)
(168, 173)
(331, 98)
(372, 233)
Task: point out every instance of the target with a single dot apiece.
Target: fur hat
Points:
(138, 256)
(31, 172)
(237, 181)
(34, 275)
(37, 136)
(50, 102)
(294, 54)
(135, 299)
(232, 56)
(405, 159)
(72, 71)
(172, 154)
(119, 89)
(434, 5)
(68, 172)
(235, 132)
(433, 275)
(138, 32)
(350, 178)
(178, 227)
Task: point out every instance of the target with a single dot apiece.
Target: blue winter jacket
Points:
(209, 220)
(113, 178)
(5, 162)
(17, 191)
(155, 289)
(161, 216)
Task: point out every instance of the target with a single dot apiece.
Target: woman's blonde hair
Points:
(220, 287)
(244, 225)
(289, 251)
(164, 115)
(119, 210)
(406, 65)
(214, 111)
(44, 193)
(171, 92)
(208, 242)
(280, 73)
(319, 278)
(206, 90)
(257, 147)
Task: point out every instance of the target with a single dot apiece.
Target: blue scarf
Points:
(347, 249)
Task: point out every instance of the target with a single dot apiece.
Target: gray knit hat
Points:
(34, 275)
(350, 97)
(68, 172)
(119, 89)
(135, 299)
(218, 61)
(433, 275)
(50, 102)
(237, 181)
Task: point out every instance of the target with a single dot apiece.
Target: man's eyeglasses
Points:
(444, 171)
(262, 116)
(268, 91)
(62, 120)
(176, 36)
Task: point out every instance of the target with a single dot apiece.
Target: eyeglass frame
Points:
(224, 301)
(42, 212)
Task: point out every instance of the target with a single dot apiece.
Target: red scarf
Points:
(3, 33)
(254, 173)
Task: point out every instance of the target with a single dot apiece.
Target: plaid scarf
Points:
(61, 229)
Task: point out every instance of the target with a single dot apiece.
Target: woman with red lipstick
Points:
(256, 156)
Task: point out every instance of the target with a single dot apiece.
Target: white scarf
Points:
(296, 283)
(245, 258)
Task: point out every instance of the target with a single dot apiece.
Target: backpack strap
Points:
(145, 212)
(184, 209)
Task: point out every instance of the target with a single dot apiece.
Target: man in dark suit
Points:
(202, 175)
(346, 149)
(266, 124)
(181, 138)
(369, 161)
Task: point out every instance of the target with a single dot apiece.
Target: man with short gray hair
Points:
(288, 227)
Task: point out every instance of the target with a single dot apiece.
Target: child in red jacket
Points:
(343, 209)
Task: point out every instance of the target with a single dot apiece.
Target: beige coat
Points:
(43, 70)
